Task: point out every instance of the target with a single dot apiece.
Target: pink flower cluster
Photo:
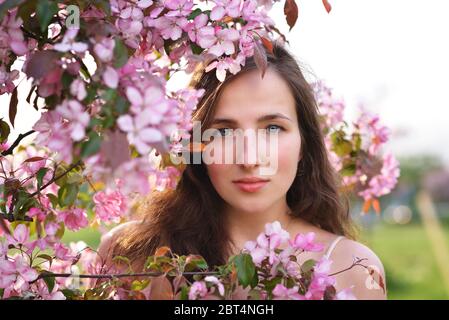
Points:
(382, 183)
(274, 249)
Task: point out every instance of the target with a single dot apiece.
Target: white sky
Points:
(393, 56)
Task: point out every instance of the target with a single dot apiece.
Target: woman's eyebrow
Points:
(260, 119)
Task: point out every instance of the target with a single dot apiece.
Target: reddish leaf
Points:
(376, 206)
(267, 44)
(34, 159)
(115, 148)
(160, 289)
(291, 12)
(13, 106)
(327, 6)
(260, 57)
(41, 63)
(366, 205)
(380, 281)
(162, 251)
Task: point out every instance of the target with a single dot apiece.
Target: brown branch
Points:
(356, 263)
(16, 143)
(118, 275)
(56, 178)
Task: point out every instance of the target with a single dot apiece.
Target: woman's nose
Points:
(250, 154)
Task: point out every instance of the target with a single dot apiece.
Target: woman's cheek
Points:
(288, 156)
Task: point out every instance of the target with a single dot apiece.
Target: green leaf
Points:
(357, 141)
(308, 265)
(8, 4)
(103, 5)
(196, 49)
(120, 53)
(40, 176)
(121, 105)
(46, 257)
(245, 269)
(53, 199)
(49, 281)
(45, 11)
(184, 293)
(60, 233)
(194, 14)
(67, 194)
(349, 168)
(4, 130)
(138, 285)
(91, 146)
(66, 80)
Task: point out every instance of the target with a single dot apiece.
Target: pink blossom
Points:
(74, 218)
(214, 280)
(69, 44)
(110, 77)
(198, 290)
(331, 108)
(38, 213)
(79, 119)
(62, 252)
(320, 280)
(198, 26)
(51, 83)
(170, 27)
(20, 236)
(54, 134)
(225, 42)
(134, 176)
(140, 134)
(51, 228)
(234, 66)
(104, 49)
(280, 292)
(78, 89)
(6, 80)
(11, 34)
(16, 274)
(306, 242)
(385, 181)
(179, 8)
(110, 205)
(42, 291)
(225, 7)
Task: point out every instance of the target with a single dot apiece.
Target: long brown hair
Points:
(190, 220)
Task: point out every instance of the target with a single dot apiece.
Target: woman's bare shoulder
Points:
(367, 281)
(108, 239)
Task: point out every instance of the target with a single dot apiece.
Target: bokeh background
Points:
(390, 57)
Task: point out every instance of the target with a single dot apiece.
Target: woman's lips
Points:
(250, 186)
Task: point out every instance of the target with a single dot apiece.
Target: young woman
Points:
(216, 208)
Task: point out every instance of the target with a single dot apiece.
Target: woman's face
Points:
(243, 104)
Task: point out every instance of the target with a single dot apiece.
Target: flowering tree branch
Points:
(16, 142)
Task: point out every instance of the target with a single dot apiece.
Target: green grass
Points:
(409, 261)
(405, 251)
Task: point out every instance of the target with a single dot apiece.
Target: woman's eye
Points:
(276, 128)
(223, 132)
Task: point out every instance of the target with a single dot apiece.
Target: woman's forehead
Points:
(249, 95)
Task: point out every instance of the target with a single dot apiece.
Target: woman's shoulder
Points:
(108, 239)
(366, 277)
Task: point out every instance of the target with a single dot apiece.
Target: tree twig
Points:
(56, 178)
(356, 263)
(118, 275)
(16, 143)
